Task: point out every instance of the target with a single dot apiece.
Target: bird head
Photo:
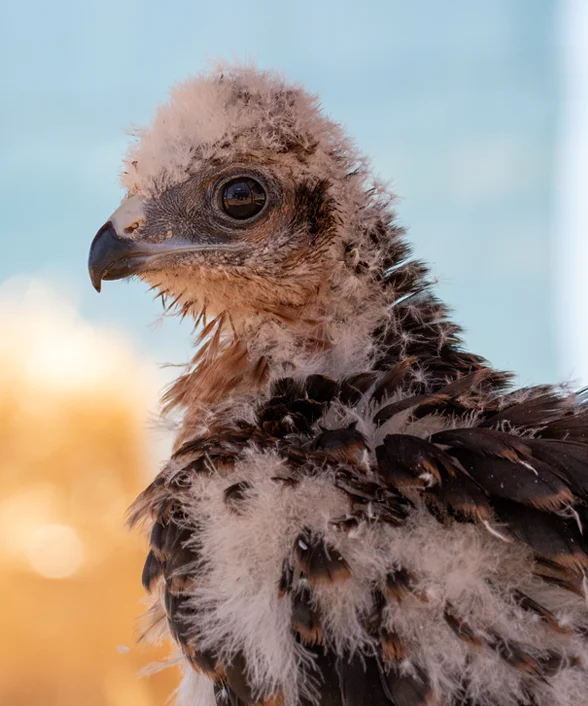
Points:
(245, 204)
(240, 195)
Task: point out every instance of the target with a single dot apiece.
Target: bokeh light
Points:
(55, 551)
(75, 450)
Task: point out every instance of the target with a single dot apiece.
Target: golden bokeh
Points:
(74, 451)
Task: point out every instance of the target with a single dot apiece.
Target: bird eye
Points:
(243, 198)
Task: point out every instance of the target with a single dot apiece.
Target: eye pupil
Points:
(243, 198)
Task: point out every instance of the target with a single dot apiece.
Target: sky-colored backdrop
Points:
(458, 104)
(476, 110)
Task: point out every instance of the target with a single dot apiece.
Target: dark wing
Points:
(519, 468)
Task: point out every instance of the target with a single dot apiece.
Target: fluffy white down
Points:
(463, 565)
(195, 689)
(202, 120)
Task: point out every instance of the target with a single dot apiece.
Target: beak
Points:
(114, 255)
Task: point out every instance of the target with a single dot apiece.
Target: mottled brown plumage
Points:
(356, 511)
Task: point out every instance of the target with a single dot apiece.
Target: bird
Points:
(356, 510)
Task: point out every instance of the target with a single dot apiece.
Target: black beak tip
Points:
(96, 282)
(99, 257)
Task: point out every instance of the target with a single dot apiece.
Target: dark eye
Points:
(243, 198)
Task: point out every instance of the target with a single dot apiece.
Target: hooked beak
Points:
(114, 255)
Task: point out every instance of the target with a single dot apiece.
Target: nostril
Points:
(133, 227)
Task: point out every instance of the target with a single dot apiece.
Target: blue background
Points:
(456, 103)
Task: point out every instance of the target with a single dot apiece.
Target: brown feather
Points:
(486, 441)
(347, 445)
(548, 535)
(528, 604)
(391, 410)
(409, 689)
(305, 618)
(392, 380)
(152, 570)
(320, 563)
(534, 484)
(361, 683)
(353, 388)
(393, 649)
(321, 388)
(461, 628)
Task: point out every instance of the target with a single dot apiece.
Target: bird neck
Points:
(363, 318)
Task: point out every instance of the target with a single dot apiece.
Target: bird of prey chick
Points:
(357, 511)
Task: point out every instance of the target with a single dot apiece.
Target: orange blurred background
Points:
(75, 449)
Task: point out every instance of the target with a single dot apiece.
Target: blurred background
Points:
(477, 114)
